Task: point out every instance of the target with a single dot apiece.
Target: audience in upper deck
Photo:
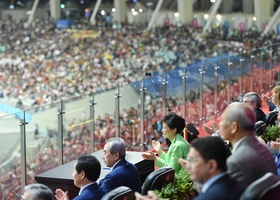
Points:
(51, 64)
(41, 64)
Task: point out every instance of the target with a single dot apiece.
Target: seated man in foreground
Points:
(206, 164)
(250, 159)
(86, 171)
(123, 173)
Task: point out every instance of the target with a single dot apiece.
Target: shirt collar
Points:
(82, 188)
(115, 164)
(210, 181)
(237, 144)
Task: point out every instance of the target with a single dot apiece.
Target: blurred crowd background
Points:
(42, 65)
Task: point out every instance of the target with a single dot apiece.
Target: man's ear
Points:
(213, 165)
(254, 104)
(234, 127)
(117, 156)
(83, 174)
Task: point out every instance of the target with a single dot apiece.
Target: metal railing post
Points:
(92, 134)
(60, 113)
(117, 111)
(22, 125)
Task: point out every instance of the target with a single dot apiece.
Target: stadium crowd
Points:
(42, 64)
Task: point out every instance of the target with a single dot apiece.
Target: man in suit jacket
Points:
(206, 163)
(254, 100)
(85, 174)
(123, 173)
(250, 159)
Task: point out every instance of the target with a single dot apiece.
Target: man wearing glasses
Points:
(206, 164)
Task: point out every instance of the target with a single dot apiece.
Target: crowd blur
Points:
(42, 64)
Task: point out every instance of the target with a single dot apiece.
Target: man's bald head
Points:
(237, 121)
(243, 114)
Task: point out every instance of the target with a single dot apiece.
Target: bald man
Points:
(250, 159)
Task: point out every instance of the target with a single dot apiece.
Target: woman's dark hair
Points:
(173, 120)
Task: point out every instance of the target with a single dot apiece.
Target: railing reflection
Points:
(61, 131)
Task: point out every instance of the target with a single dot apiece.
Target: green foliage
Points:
(271, 133)
(181, 188)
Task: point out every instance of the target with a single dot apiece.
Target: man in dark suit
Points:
(206, 163)
(123, 173)
(254, 100)
(85, 174)
(250, 159)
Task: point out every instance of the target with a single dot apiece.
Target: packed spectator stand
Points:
(41, 66)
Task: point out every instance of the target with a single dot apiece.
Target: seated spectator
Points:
(172, 128)
(267, 99)
(37, 191)
(275, 97)
(85, 174)
(254, 100)
(250, 159)
(275, 147)
(123, 173)
(206, 164)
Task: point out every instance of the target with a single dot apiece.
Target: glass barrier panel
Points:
(41, 140)
(104, 117)
(76, 128)
(127, 125)
(10, 154)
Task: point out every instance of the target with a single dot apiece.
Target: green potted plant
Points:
(271, 133)
(180, 189)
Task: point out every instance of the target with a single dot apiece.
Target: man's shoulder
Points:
(224, 186)
(124, 164)
(91, 193)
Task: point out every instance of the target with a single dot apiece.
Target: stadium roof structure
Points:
(168, 4)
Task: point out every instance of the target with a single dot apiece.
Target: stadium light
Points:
(62, 6)
(103, 12)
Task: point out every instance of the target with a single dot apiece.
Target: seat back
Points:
(272, 192)
(259, 128)
(271, 117)
(157, 178)
(119, 193)
(264, 188)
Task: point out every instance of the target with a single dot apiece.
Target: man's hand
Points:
(149, 156)
(150, 195)
(60, 195)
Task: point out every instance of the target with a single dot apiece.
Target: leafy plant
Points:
(271, 133)
(180, 189)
